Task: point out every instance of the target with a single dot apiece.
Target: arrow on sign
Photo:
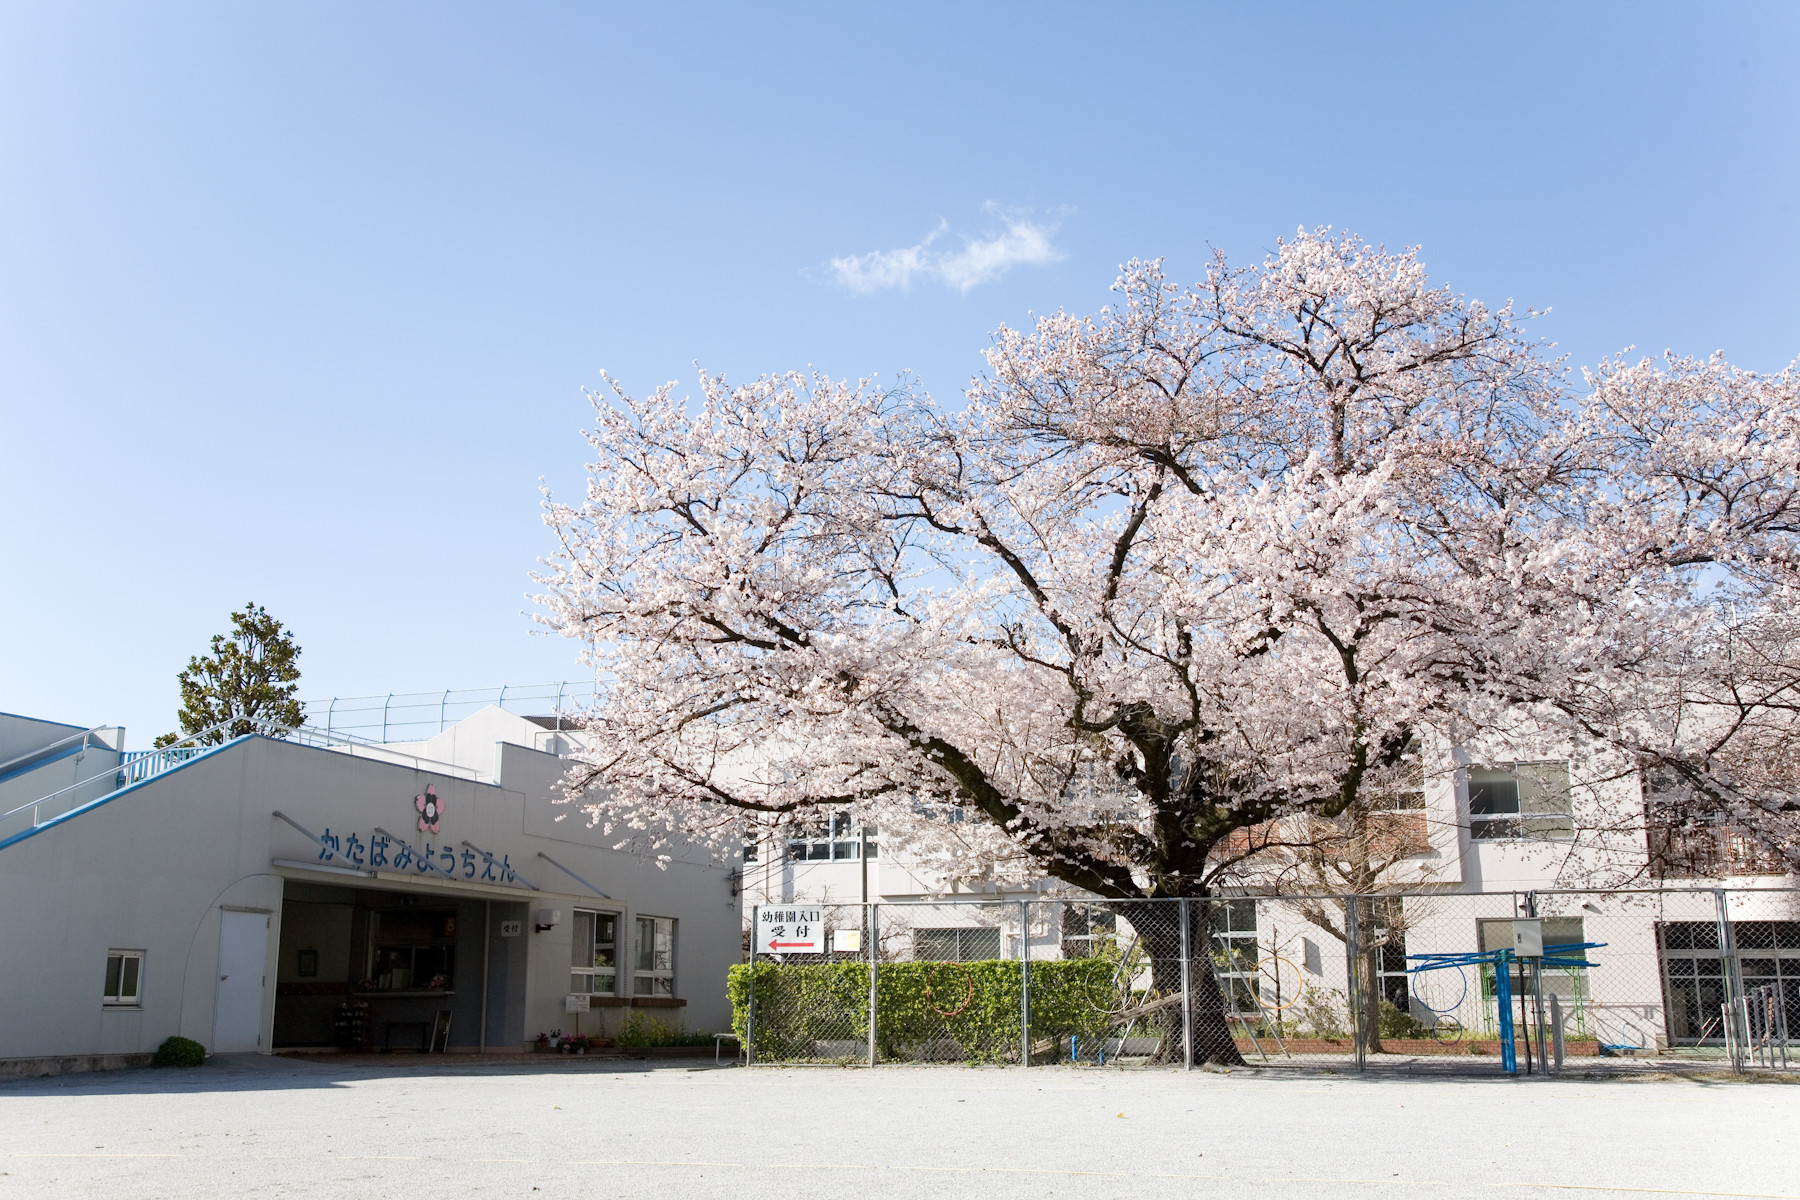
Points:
(779, 945)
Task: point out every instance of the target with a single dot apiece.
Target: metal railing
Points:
(1604, 981)
(359, 747)
(139, 765)
(84, 739)
(136, 766)
(412, 716)
(133, 767)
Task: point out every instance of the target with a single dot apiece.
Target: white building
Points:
(293, 891)
(1571, 842)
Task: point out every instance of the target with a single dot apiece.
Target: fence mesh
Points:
(1519, 982)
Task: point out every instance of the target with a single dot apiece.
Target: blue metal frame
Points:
(1563, 955)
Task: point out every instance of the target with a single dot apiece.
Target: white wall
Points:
(151, 868)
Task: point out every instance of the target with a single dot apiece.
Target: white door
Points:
(243, 961)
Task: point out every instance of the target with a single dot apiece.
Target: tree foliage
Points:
(1212, 558)
(250, 677)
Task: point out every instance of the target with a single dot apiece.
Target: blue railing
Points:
(133, 767)
(136, 766)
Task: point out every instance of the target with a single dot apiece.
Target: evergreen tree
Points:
(249, 678)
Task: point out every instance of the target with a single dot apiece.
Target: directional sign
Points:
(790, 929)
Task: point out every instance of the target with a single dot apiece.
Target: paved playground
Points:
(550, 1129)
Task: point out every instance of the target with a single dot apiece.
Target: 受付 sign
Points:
(790, 929)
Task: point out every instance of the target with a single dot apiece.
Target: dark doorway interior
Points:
(363, 969)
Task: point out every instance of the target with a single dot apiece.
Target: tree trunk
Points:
(1369, 988)
(1158, 925)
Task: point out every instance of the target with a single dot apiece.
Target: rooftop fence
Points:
(414, 716)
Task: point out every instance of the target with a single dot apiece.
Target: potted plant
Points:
(577, 1043)
(541, 1043)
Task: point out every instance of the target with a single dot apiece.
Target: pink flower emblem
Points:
(431, 809)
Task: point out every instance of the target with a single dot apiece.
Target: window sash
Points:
(124, 977)
(1528, 801)
(653, 957)
(838, 839)
(594, 953)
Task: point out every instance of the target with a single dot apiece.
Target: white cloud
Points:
(1023, 243)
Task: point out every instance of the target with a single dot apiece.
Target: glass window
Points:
(124, 968)
(1520, 800)
(594, 953)
(1694, 973)
(1385, 933)
(1087, 929)
(956, 945)
(838, 838)
(1409, 795)
(654, 968)
(411, 950)
(1235, 954)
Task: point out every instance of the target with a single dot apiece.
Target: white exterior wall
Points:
(152, 867)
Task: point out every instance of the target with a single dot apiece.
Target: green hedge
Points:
(920, 1005)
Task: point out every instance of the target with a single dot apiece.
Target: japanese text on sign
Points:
(790, 929)
(381, 853)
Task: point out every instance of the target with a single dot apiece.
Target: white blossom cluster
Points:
(1207, 559)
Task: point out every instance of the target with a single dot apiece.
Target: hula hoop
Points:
(1256, 971)
(931, 993)
(1451, 1007)
(1117, 993)
(1447, 1030)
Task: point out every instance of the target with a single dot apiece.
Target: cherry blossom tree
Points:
(1206, 562)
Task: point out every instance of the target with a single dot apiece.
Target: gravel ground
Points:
(262, 1127)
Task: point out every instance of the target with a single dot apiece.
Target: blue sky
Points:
(297, 302)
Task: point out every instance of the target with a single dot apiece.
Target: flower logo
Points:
(431, 809)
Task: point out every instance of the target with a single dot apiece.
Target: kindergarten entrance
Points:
(385, 970)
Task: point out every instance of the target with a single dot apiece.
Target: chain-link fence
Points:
(1520, 982)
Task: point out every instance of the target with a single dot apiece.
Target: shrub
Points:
(642, 1030)
(179, 1052)
(974, 1004)
(1398, 1023)
(1319, 1014)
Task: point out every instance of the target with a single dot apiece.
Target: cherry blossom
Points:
(1209, 560)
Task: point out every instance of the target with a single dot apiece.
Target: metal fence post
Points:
(872, 918)
(1537, 994)
(1024, 983)
(1354, 991)
(1187, 990)
(1734, 1024)
(750, 1008)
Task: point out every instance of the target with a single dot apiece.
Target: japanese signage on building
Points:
(790, 929)
(379, 852)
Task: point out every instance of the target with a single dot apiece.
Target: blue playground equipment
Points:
(1562, 956)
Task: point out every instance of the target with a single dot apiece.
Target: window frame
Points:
(653, 973)
(1523, 822)
(1236, 951)
(438, 948)
(112, 988)
(934, 938)
(595, 918)
(839, 839)
(1696, 971)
